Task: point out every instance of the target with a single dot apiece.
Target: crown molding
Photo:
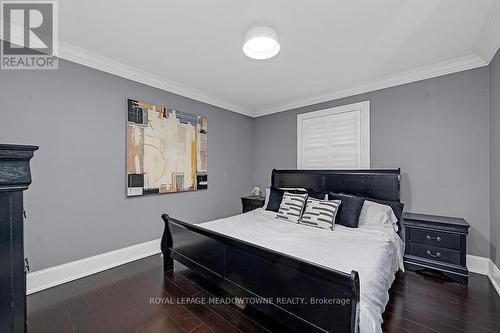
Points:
(108, 65)
(428, 72)
(489, 42)
(83, 57)
(487, 46)
(105, 64)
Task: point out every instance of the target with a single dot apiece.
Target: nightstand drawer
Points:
(251, 202)
(435, 238)
(435, 253)
(250, 206)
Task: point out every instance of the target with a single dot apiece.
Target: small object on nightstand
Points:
(436, 243)
(256, 191)
(252, 202)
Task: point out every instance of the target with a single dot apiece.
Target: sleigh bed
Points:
(299, 292)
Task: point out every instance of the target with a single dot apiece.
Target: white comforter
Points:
(375, 253)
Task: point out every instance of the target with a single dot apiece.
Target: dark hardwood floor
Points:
(125, 299)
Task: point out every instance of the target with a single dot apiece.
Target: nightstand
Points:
(436, 243)
(251, 202)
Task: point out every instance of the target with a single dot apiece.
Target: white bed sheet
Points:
(375, 253)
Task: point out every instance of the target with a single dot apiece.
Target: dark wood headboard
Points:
(377, 184)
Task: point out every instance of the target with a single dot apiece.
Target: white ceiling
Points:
(329, 49)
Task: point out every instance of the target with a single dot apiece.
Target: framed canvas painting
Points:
(167, 150)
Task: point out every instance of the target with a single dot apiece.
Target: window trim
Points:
(362, 107)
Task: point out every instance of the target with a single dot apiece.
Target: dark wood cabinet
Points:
(15, 177)
(436, 243)
(251, 202)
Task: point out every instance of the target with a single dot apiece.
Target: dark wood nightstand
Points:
(252, 202)
(436, 243)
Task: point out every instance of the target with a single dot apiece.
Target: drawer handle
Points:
(433, 238)
(437, 255)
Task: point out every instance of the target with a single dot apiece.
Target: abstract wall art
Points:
(167, 150)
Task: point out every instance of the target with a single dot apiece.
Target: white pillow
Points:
(377, 215)
(293, 189)
(268, 192)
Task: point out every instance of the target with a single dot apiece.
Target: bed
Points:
(309, 280)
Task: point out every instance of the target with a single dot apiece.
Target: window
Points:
(337, 138)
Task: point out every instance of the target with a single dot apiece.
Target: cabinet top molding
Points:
(9, 147)
(15, 172)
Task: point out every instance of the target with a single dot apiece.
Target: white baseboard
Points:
(70, 271)
(484, 266)
(494, 275)
(53, 276)
(479, 265)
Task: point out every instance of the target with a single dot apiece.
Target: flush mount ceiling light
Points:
(261, 43)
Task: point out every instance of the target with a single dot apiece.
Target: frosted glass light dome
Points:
(261, 43)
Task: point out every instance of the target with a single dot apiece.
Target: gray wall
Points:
(495, 158)
(76, 205)
(436, 131)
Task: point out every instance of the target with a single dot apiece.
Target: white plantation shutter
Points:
(337, 138)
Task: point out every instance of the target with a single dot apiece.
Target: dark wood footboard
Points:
(300, 295)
